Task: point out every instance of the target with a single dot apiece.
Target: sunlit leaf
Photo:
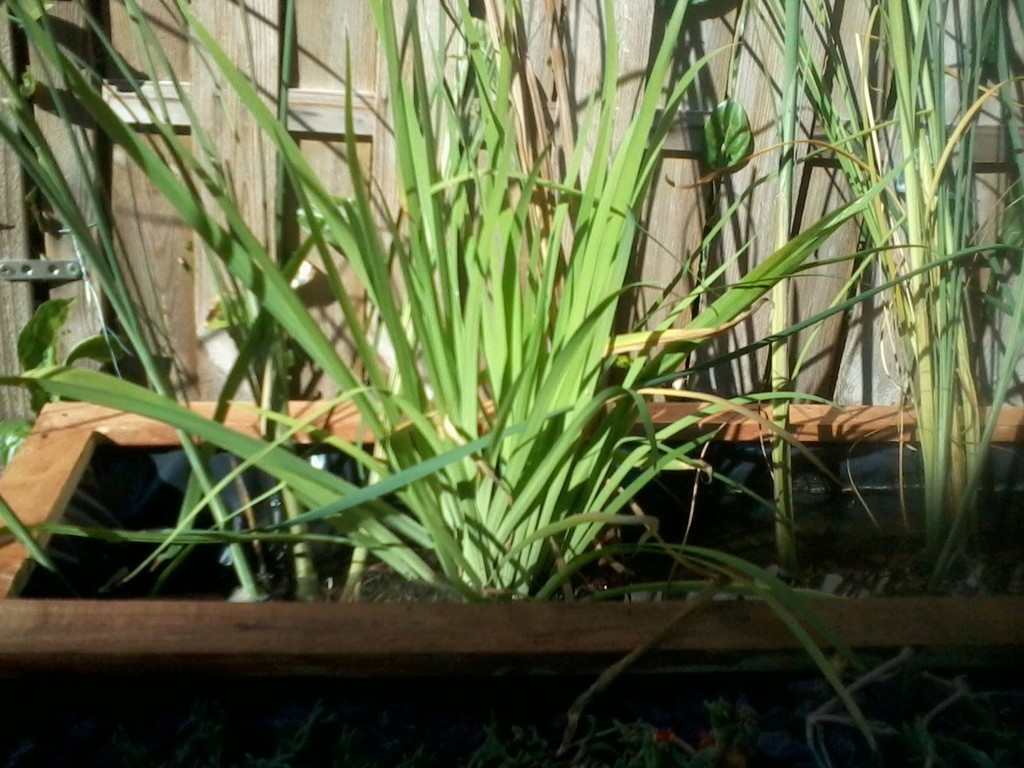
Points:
(728, 139)
(38, 340)
(12, 434)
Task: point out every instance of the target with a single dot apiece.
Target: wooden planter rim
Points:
(811, 423)
(211, 637)
(403, 639)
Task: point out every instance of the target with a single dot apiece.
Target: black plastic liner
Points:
(842, 496)
(132, 489)
(851, 503)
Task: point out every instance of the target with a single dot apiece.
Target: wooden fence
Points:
(177, 295)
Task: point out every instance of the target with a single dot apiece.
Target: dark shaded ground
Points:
(649, 721)
(674, 721)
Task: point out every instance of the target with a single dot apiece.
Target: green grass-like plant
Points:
(508, 417)
(914, 110)
(507, 414)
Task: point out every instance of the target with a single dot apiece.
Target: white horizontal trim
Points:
(321, 112)
(310, 110)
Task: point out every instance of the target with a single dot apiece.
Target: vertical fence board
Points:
(156, 247)
(71, 140)
(870, 369)
(384, 162)
(335, 44)
(248, 33)
(749, 236)
(676, 210)
(632, 27)
(336, 50)
(177, 293)
(1001, 213)
(749, 232)
(1015, 23)
(821, 188)
(15, 298)
(158, 263)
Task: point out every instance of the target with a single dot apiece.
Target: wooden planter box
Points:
(407, 638)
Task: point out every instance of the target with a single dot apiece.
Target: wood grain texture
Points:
(411, 639)
(311, 111)
(37, 486)
(15, 298)
(585, 44)
(155, 50)
(70, 140)
(676, 209)
(812, 423)
(157, 260)
(156, 249)
(337, 51)
(809, 423)
(820, 188)
(248, 33)
(130, 430)
(749, 236)
(83, 636)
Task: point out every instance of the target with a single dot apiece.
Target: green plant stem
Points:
(944, 391)
(781, 373)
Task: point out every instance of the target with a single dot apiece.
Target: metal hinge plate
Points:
(40, 271)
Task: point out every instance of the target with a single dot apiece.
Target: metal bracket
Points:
(40, 271)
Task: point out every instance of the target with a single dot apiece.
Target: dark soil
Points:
(734, 721)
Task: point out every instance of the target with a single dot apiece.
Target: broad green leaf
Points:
(12, 434)
(728, 140)
(100, 349)
(37, 342)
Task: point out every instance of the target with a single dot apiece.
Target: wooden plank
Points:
(248, 34)
(70, 140)
(37, 486)
(754, 81)
(15, 298)
(990, 347)
(812, 423)
(809, 423)
(385, 157)
(156, 257)
(632, 25)
(409, 639)
(991, 150)
(676, 210)
(155, 249)
(336, 50)
(331, 163)
(680, 205)
(131, 430)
